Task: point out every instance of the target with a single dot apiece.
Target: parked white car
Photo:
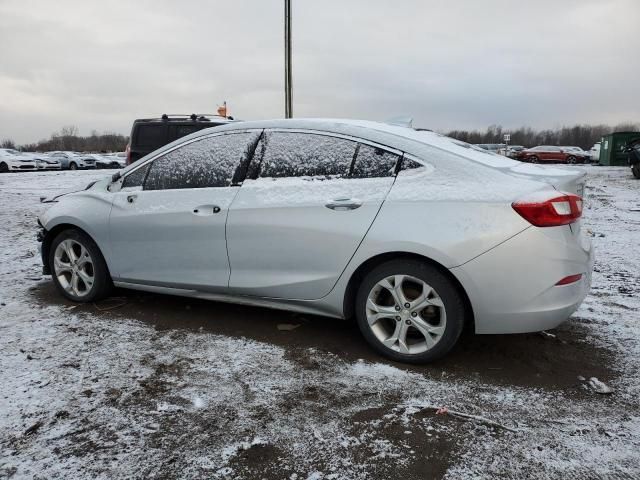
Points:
(45, 162)
(413, 233)
(594, 152)
(73, 161)
(14, 161)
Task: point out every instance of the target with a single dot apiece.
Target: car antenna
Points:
(400, 121)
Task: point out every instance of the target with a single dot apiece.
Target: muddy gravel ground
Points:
(152, 386)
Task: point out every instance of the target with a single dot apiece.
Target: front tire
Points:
(409, 311)
(78, 269)
(533, 159)
(572, 160)
(73, 166)
(635, 169)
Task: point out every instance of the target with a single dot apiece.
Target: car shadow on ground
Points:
(551, 361)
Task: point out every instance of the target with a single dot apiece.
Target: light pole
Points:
(288, 96)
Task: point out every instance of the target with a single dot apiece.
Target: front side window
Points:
(136, 178)
(292, 154)
(372, 162)
(208, 162)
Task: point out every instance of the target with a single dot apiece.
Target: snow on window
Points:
(209, 162)
(136, 178)
(374, 162)
(305, 154)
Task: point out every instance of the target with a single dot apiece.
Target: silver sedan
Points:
(414, 234)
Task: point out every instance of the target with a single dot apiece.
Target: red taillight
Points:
(550, 212)
(128, 150)
(569, 279)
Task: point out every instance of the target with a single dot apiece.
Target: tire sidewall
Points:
(451, 298)
(102, 279)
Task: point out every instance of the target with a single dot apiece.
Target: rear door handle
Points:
(342, 204)
(131, 198)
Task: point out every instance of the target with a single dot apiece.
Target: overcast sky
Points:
(449, 64)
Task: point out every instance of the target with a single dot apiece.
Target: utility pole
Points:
(288, 96)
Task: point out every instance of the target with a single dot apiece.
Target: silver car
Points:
(72, 160)
(414, 234)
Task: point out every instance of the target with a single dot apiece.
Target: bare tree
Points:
(7, 143)
(583, 136)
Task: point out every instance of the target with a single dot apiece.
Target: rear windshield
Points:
(150, 136)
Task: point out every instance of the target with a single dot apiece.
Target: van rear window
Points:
(150, 136)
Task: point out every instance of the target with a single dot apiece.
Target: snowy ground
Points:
(147, 386)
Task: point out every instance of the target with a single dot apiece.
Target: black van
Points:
(149, 134)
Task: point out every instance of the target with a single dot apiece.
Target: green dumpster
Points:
(612, 148)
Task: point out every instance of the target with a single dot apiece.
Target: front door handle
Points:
(131, 198)
(206, 210)
(342, 204)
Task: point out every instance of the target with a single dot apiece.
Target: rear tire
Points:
(636, 170)
(4, 168)
(78, 268)
(409, 311)
(73, 166)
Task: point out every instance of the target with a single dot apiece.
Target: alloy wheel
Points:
(405, 314)
(73, 267)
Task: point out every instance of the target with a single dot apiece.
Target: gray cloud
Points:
(449, 64)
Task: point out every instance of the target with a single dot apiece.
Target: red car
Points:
(550, 154)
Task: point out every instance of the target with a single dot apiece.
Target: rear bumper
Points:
(512, 288)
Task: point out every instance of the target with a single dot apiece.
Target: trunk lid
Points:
(571, 180)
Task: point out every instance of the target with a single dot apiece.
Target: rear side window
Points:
(372, 162)
(136, 178)
(209, 162)
(151, 136)
(408, 164)
(293, 154)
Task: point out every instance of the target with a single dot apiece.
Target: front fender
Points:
(88, 211)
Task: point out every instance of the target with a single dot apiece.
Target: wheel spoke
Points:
(380, 311)
(426, 330)
(423, 300)
(68, 249)
(74, 283)
(60, 266)
(86, 278)
(437, 331)
(84, 257)
(399, 338)
(395, 288)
